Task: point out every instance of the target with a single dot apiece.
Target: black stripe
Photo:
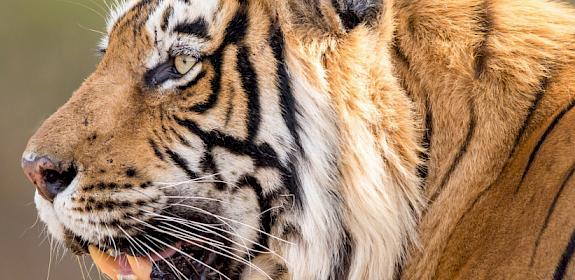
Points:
(289, 112)
(482, 52)
(542, 140)
(166, 18)
(543, 86)
(291, 181)
(156, 150)
(181, 163)
(249, 82)
(287, 99)
(237, 28)
(209, 167)
(193, 82)
(142, 14)
(266, 217)
(340, 269)
(423, 167)
(263, 154)
(235, 32)
(230, 109)
(563, 264)
(198, 28)
(462, 151)
(216, 60)
(136, 17)
(551, 210)
(520, 135)
(182, 140)
(290, 230)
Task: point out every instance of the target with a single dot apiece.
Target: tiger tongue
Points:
(123, 267)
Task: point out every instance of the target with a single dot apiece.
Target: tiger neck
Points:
(372, 197)
(463, 63)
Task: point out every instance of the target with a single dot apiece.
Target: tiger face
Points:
(225, 139)
(177, 148)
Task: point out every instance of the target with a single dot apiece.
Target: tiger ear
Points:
(328, 16)
(355, 12)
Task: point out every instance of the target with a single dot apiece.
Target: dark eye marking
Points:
(181, 163)
(193, 82)
(161, 73)
(198, 28)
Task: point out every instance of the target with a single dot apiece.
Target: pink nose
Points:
(48, 176)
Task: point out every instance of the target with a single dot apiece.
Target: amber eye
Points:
(184, 63)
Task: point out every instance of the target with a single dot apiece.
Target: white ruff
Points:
(320, 221)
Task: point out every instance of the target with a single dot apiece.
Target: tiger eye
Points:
(184, 63)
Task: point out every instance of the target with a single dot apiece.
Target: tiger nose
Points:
(48, 175)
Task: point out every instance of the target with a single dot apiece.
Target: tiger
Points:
(316, 139)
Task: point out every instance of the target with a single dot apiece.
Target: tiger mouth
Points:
(177, 261)
(173, 260)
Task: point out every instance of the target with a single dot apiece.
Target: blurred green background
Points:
(46, 50)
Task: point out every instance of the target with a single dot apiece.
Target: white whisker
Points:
(196, 197)
(188, 255)
(271, 209)
(134, 243)
(146, 253)
(194, 224)
(224, 252)
(174, 248)
(93, 30)
(50, 261)
(234, 221)
(84, 6)
(187, 181)
(176, 271)
(81, 269)
(207, 227)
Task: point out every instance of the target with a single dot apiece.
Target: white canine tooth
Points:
(113, 253)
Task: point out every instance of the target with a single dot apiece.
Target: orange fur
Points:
(487, 82)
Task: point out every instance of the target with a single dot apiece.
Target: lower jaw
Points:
(179, 262)
(187, 269)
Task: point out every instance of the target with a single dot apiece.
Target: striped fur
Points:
(493, 81)
(323, 126)
(257, 114)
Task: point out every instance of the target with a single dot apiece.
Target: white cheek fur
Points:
(47, 214)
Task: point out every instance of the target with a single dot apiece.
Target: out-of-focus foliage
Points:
(45, 53)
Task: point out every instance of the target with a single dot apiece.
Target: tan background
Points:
(46, 49)
(45, 52)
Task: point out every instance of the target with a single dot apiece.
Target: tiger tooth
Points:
(105, 263)
(113, 253)
(123, 267)
(141, 267)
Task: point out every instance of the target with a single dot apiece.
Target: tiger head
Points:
(208, 142)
